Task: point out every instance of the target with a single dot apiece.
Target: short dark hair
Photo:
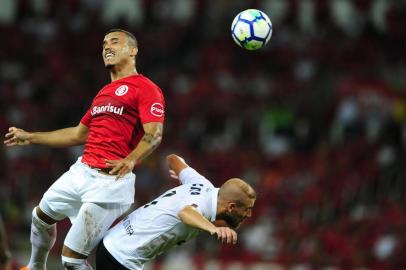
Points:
(129, 35)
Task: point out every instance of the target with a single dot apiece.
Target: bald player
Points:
(175, 217)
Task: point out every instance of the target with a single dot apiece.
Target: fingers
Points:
(119, 167)
(120, 170)
(173, 175)
(10, 134)
(15, 141)
(10, 143)
(15, 136)
(226, 235)
(116, 165)
(123, 171)
(10, 138)
(111, 163)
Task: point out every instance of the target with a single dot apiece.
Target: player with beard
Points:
(175, 217)
(122, 127)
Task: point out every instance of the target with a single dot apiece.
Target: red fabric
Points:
(116, 116)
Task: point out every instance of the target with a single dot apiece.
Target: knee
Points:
(39, 214)
(42, 233)
(69, 253)
(38, 222)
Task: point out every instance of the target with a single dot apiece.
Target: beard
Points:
(110, 66)
(229, 219)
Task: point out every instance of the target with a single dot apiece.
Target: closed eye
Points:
(112, 41)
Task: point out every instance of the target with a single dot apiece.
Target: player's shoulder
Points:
(141, 81)
(144, 85)
(191, 176)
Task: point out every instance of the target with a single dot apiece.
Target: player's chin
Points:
(234, 225)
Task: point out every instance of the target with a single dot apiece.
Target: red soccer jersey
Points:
(116, 116)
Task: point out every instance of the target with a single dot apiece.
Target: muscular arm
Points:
(151, 139)
(191, 217)
(58, 138)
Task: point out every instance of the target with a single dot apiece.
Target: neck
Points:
(117, 73)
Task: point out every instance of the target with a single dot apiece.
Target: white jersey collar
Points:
(214, 203)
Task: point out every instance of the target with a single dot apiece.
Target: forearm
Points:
(57, 138)
(148, 143)
(191, 217)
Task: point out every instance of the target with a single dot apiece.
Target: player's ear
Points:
(134, 51)
(231, 206)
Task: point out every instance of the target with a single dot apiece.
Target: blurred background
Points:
(316, 121)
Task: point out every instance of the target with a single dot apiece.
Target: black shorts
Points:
(105, 261)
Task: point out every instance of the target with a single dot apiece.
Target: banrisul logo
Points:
(107, 108)
(122, 90)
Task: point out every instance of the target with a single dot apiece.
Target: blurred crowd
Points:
(316, 121)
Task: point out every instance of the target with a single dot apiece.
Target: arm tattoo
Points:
(148, 138)
(153, 139)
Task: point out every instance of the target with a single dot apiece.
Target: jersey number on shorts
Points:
(173, 192)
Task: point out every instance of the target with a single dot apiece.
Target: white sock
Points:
(75, 264)
(43, 237)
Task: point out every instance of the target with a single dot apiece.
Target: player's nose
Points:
(107, 48)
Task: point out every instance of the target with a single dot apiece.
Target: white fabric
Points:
(91, 224)
(155, 227)
(75, 264)
(91, 200)
(43, 237)
(83, 184)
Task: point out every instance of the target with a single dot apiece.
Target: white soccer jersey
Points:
(155, 227)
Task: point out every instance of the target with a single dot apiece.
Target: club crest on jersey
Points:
(122, 90)
(157, 109)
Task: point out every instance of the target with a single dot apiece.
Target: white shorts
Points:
(91, 200)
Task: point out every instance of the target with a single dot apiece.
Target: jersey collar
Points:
(214, 203)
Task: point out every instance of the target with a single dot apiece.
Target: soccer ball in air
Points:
(251, 29)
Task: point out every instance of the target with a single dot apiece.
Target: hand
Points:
(17, 136)
(120, 166)
(225, 235)
(175, 176)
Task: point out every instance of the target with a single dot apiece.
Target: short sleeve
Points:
(190, 175)
(86, 118)
(201, 203)
(151, 104)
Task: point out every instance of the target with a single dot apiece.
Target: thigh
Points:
(61, 199)
(91, 224)
(105, 261)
